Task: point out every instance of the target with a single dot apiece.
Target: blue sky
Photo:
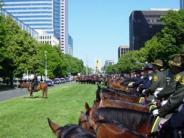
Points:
(98, 27)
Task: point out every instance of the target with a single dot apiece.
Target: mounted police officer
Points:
(174, 101)
(142, 81)
(158, 78)
(34, 83)
(176, 67)
(146, 78)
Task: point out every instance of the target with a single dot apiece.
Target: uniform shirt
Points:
(138, 80)
(171, 87)
(174, 100)
(146, 82)
(159, 80)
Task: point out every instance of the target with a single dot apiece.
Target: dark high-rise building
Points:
(143, 25)
(122, 50)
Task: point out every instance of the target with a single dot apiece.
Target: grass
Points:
(27, 118)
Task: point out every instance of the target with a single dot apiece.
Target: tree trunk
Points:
(11, 80)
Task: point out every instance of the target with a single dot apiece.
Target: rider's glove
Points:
(131, 84)
(155, 112)
(163, 102)
(145, 92)
(156, 93)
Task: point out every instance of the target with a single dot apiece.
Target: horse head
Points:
(70, 131)
(84, 123)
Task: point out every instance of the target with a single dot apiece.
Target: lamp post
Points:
(87, 65)
(46, 72)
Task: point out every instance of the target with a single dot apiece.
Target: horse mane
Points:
(120, 125)
(119, 92)
(70, 130)
(131, 119)
(123, 105)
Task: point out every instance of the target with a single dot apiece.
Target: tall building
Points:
(70, 45)
(143, 25)
(122, 50)
(49, 18)
(64, 25)
(181, 4)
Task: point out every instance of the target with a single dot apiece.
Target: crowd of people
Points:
(165, 85)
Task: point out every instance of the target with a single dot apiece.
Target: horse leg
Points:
(43, 93)
(46, 94)
(31, 94)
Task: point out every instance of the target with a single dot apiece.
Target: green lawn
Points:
(27, 118)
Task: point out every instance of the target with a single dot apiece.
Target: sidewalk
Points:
(4, 95)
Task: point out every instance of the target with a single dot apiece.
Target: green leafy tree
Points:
(17, 49)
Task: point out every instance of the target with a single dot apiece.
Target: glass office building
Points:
(70, 45)
(38, 14)
(48, 17)
(181, 4)
(60, 22)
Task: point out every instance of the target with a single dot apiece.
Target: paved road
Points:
(12, 93)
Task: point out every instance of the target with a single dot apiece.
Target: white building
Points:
(64, 26)
(44, 37)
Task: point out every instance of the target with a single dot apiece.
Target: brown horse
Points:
(116, 95)
(117, 85)
(104, 128)
(108, 130)
(41, 86)
(141, 122)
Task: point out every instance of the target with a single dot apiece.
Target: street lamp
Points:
(46, 72)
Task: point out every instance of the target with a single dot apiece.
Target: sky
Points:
(99, 27)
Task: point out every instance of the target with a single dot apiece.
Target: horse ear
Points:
(54, 127)
(88, 109)
(87, 106)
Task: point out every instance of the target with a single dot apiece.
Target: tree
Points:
(17, 49)
(170, 40)
(161, 46)
(131, 61)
